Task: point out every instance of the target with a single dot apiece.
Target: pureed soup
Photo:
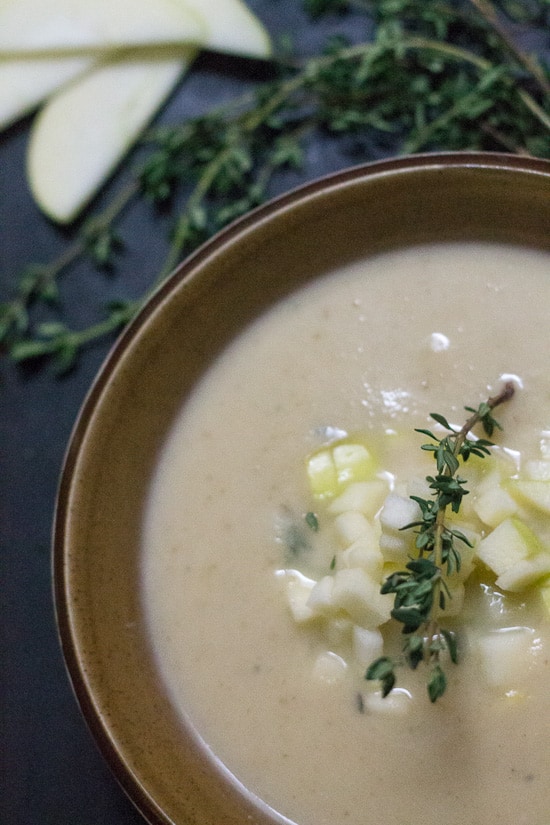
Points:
(261, 633)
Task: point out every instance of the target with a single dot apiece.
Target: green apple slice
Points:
(31, 26)
(26, 81)
(84, 130)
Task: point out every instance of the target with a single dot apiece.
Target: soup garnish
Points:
(421, 591)
(380, 572)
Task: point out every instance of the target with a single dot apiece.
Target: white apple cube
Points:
(524, 573)
(321, 474)
(396, 549)
(362, 496)
(352, 525)
(320, 600)
(367, 644)
(298, 590)
(358, 595)
(509, 543)
(353, 462)
(397, 512)
(494, 504)
(366, 554)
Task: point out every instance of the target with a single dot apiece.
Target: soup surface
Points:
(372, 349)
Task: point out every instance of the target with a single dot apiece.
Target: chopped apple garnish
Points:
(363, 496)
(525, 573)
(331, 469)
(492, 503)
(509, 543)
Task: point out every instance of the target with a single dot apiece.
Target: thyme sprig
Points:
(421, 76)
(420, 591)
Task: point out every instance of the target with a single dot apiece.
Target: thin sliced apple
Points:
(26, 82)
(84, 130)
(31, 26)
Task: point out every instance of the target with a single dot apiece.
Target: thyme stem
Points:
(458, 442)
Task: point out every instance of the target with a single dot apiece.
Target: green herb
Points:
(419, 76)
(420, 590)
(312, 521)
(295, 539)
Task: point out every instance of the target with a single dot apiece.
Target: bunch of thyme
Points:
(417, 76)
(420, 590)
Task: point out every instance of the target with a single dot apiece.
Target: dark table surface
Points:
(51, 772)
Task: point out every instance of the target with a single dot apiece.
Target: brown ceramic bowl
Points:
(147, 377)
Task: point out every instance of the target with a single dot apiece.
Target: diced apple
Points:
(397, 512)
(532, 493)
(321, 473)
(396, 548)
(298, 590)
(492, 503)
(31, 26)
(320, 600)
(331, 470)
(85, 129)
(353, 462)
(506, 655)
(352, 525)
(524, 573)
(364, 553)
(509, 543)
(358, 594)
(364, 496)
(367, 645)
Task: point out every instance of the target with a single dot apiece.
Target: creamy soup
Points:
(373, 350)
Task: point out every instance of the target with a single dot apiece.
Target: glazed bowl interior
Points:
(156, 757)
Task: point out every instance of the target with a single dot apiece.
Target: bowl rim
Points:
(69, 643)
